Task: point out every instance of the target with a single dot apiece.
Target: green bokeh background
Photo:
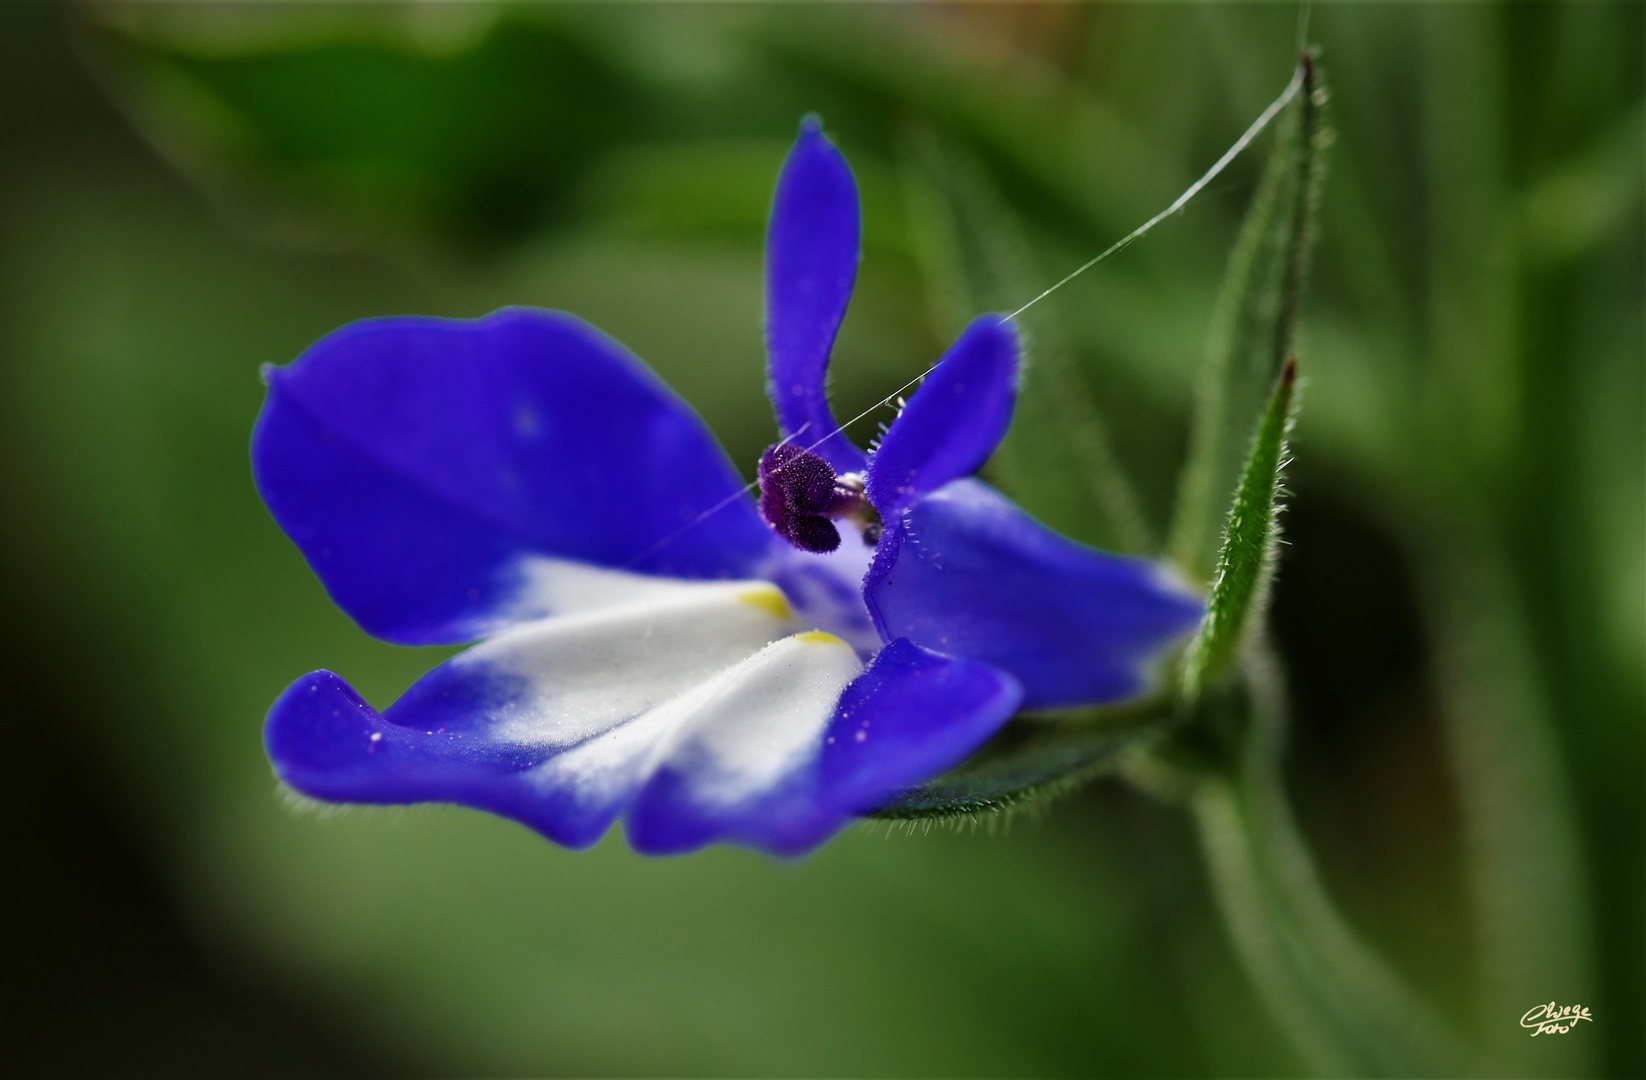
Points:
(187, 193)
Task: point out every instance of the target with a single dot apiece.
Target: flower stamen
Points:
(801, 498)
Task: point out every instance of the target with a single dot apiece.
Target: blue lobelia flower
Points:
(652, 642)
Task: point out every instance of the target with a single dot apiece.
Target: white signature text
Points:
(1551, 1019)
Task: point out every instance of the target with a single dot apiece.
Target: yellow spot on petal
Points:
(819, 637)
(768, 599)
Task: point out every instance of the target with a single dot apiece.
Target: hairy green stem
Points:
(1266, 945)
(1343, 1008)
(1253, 329)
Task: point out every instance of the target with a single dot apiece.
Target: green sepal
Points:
(1245, 565)
(1034, 758)
(1056, 460)
(1253, 328)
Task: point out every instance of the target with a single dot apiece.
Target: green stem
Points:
(1343, 1008)
(1379, 993)
(1265, 944)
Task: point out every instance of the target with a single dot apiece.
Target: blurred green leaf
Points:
(1056, 460)
(1252, 329)
(1588, 198)
(1485, 421)
(1246, 564)
(720, 188)
(477, 141)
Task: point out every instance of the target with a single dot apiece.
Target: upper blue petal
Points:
(954, 420)
(812, 248)
(966, 572)
(417, 461)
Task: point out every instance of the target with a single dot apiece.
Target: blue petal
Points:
(695, 714)
(554, 723)
(966, 572)
(912, 714)
(420, 464)
(326, 742)
(953, 422)
(812, 248)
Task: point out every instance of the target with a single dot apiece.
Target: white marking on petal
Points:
(730, 737)
(565, 679)
(825, 590)
(631, 673)
(546, 586)
(767, 719)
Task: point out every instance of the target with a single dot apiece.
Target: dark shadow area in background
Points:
(1367, 760)
(108, 979)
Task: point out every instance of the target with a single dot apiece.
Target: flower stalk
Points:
(1345, 1011)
